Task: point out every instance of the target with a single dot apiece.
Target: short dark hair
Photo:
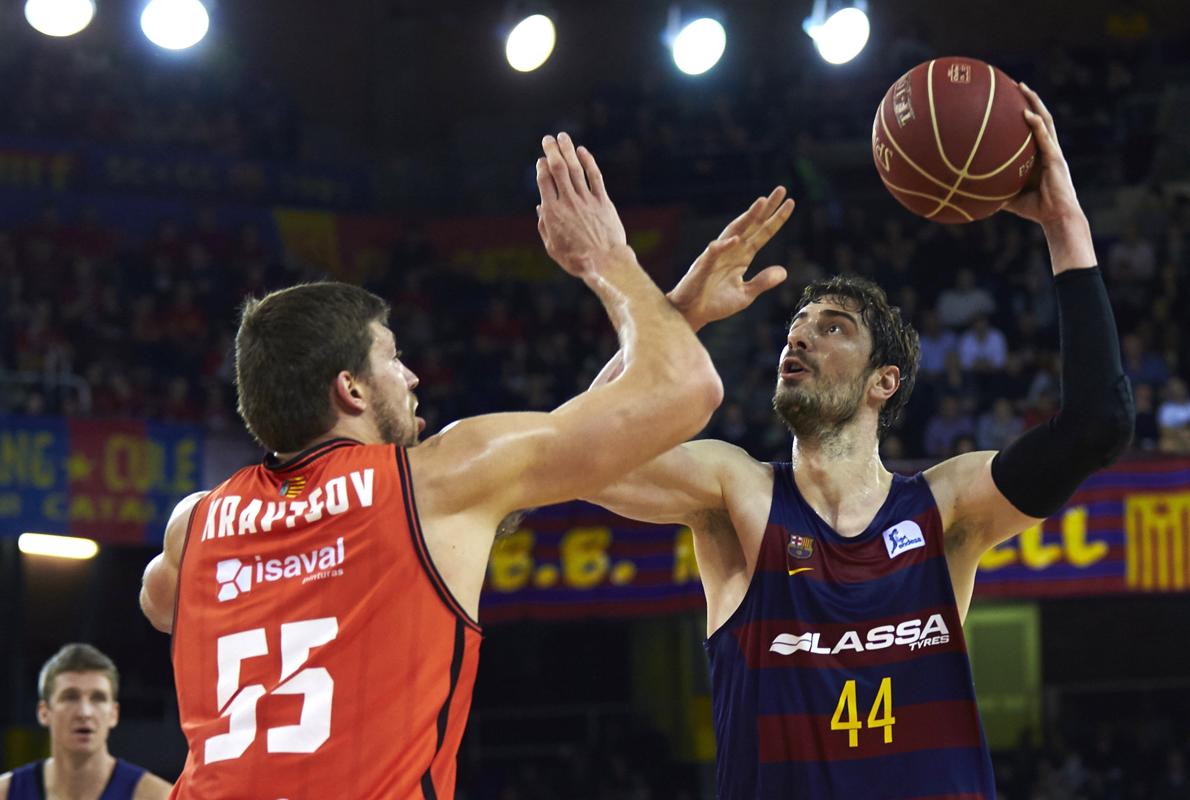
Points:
(894, 341)
(76, 658)
(290, 346)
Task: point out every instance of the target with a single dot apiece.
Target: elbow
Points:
(156, 619)
(710, 390)
(1119, 424)
(702, 389)
(1107, 433)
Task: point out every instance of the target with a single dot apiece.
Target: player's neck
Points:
(358, 430)
(840, 474)
(78, 776)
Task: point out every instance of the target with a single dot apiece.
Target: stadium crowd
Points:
(99, 95)
(143, 327)
(97, 322)
(148, 326)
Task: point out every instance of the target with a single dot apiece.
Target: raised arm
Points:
(159, 588)
(988, 497)
(666, 393)
(714, 287)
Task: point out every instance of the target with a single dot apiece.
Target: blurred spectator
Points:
(1147, 432)
(1173, 418)
(982, 348)
(1132, 258)
(1173, 783)
(937, 343)
(947, 425)
(1142, 365)
(960, 305)
(998, 426)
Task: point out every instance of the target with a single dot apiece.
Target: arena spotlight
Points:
(59, 17)
(698, 45)
(175, 24)
(530, 43)
(48, 544)
(840, 36)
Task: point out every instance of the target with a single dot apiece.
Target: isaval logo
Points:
(234, 577)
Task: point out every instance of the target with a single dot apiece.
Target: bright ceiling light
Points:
(699, 46)
(48, 544)
(175, 24)
(59, 17)
(530, 43)
(840, 37)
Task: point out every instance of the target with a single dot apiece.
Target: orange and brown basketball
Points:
(950, 140)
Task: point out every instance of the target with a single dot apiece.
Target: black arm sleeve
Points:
(1040, 470)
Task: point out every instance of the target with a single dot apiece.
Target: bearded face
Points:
(395, 425)
(811, 404)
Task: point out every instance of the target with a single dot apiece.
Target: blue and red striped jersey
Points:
(844, 671)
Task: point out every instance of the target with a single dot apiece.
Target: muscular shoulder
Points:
(734, 463)
(150, 787)
(948, 479)
(975, 515)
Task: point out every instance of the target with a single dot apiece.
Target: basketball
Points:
(950, 140)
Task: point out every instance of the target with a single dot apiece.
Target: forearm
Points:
(1070, 243)
(1040, 470)
(615, 365)
(655, 340)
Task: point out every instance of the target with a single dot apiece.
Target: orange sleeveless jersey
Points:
(317, 652)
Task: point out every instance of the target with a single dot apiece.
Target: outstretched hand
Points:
(714, 287)
(576, 219)
(1052, 199)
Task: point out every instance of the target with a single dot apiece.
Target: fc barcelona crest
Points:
(800, 546)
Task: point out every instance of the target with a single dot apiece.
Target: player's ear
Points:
(115, 713)
(347, 393)
(43, 713)
(888, 380)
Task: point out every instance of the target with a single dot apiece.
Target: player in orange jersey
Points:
(323, 604)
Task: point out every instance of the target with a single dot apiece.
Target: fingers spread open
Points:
(771, 225)
(721, 245)
(765, 279)
(740, 225)
(773, 202)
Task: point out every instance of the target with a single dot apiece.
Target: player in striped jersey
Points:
(323, 604)
(835, 590)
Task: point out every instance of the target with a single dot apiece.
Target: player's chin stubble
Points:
(392, 428)
(810, 413)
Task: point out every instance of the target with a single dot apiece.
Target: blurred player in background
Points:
(835, 590)
(324, 603)
(79, 688)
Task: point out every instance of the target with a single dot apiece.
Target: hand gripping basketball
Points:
(576, 219)
(949, 141)
(1051, 198)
